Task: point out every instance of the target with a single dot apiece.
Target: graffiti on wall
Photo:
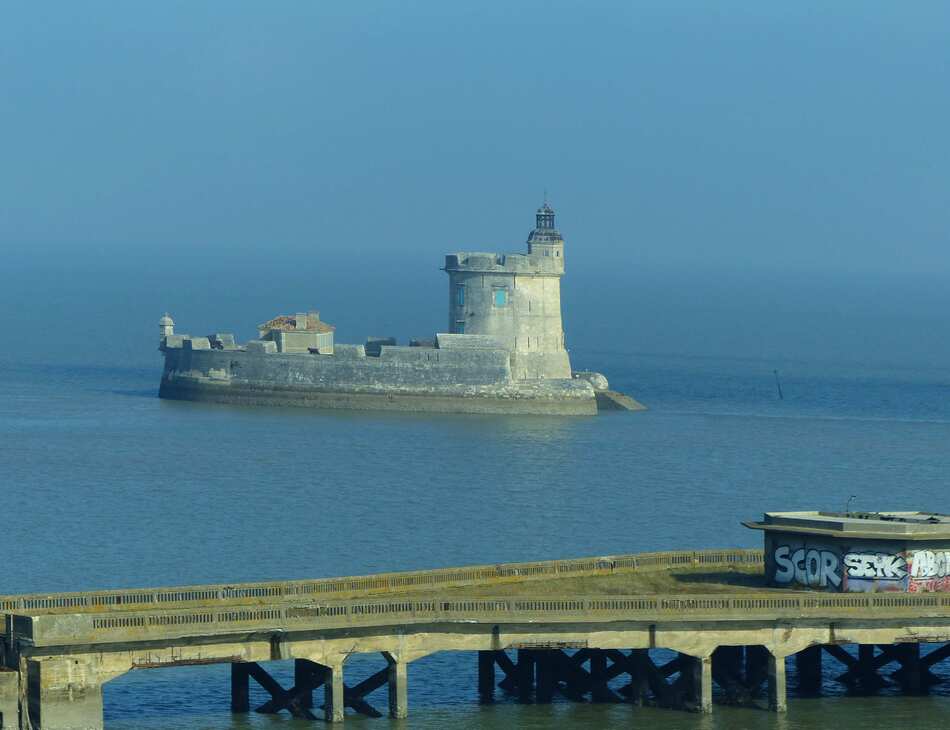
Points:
(813, 568)
(876, 566)
(929, 571)
(859, 568)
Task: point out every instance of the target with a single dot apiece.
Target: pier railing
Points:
(379, 584)
(134, 626)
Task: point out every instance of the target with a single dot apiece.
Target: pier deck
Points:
(575, 626)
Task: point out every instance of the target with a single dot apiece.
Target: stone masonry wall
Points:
(471, 380)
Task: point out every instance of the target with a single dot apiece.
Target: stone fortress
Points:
(504, 351)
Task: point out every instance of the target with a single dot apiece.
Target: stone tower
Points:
(517, 299)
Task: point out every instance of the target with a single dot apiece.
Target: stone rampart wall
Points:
(412, 369)
(471, 380)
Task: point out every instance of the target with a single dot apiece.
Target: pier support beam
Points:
(546, 674)
(778, 696)
(240, 687)
(525, 671)
(9, 699)
(862, 675)
(486, 676)
(729, 674)
(938, 655)
(911, 674)
(699, 671)
(334, 697)
(599, 677)
(62, 699)
(808, 667)
(303, 681)
(398, 688)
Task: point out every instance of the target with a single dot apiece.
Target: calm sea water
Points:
(104, 485)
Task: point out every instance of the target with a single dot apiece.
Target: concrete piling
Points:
(63, 696)
(398, 688)
(9, 698)
(334, 699)
(700, 678)
(776, 680)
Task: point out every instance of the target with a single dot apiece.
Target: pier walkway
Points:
(658, 628)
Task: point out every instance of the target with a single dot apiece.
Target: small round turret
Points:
(166, 325)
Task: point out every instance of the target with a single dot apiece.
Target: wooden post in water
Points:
(240, 687)
(486, 675)
(808, 666)
(303, 673)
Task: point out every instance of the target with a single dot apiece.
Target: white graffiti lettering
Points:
(813, 568)
(930, 564)
(875, 566)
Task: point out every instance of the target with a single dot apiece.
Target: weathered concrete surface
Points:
(9, 698)
(67, 650)
(65, 692)
(59, 695)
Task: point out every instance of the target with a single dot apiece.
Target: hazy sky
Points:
(687, 146)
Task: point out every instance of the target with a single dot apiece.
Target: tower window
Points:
(460, 327)
(500, 297)
(460, 296)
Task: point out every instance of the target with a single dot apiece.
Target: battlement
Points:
(533, 264)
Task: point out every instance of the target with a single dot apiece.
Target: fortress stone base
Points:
(550, 398)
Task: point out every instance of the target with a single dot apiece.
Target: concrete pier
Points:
(776, 681)
(398, 688)
(575, 639)
(64, 693)
(333, 697)
(9, 698)
(701, 682)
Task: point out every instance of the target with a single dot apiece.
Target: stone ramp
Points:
(611, 400)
